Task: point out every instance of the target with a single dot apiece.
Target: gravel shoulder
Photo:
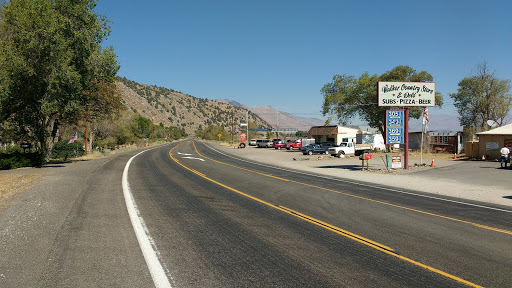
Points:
(473, 180)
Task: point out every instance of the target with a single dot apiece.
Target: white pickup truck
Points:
(349, 148)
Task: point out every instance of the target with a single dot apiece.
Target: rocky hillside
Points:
(173, 108)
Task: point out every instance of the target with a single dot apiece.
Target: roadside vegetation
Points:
(57, 80)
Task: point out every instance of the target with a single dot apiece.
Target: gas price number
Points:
(394, 126)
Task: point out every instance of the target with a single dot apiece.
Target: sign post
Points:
(397, 130)
(395, 125)
(247, 127)
(403, 94)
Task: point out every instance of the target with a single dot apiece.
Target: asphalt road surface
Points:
(212, 220)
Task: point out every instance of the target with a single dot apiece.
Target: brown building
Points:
(437, 141)
(490, 142)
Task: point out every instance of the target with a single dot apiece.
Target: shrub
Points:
(63, 150)
(15, 160)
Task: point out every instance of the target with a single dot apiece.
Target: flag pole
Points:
(421, 149)
(423, 130)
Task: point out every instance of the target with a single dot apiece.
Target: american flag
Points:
(425, 117)
(73, 138)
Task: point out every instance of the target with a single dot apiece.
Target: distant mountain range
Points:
(278, 118)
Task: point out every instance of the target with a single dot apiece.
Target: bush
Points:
(107, 143)
(15, 160)
(63, 150)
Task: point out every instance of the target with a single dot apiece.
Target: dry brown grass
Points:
(13, 184)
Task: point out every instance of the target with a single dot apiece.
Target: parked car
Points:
(279, 144)
(264, 143)
(314, 149)
(252, 142)
(296, 144)
(349, 148)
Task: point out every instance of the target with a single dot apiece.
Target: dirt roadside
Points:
(14, 182)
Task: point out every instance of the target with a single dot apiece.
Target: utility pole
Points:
(86, 132)
(152, 129)
(86, 128)
(277, 124)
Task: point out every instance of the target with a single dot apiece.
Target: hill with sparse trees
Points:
(173, 108)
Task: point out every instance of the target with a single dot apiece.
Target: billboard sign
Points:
(395, 126)
(407, 94)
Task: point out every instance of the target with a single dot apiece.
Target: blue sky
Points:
(281, 53)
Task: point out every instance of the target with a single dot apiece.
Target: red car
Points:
(278, 144)
(294, 144)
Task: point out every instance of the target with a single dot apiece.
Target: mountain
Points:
(173, 108)
(278, 118)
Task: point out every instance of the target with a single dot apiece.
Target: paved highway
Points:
(221, 222)
(207, 219)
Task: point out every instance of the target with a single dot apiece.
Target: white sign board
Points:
(492, 146)
(407, 94)
(396, 162)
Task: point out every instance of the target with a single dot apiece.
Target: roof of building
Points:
(323, 130)
(503, 130)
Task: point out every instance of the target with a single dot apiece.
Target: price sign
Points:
(396, 162)
(394, 126)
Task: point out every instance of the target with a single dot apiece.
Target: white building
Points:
(333, 134)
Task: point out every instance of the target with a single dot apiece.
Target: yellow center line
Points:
(363, 198)
(345, 233)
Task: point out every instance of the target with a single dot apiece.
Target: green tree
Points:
(141, 127)
(480, 98)
(347, 97)
(102, 104)
(51, 55)
(174, 132)
(211, 133)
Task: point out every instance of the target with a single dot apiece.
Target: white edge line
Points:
(146, 243)
(360, 184)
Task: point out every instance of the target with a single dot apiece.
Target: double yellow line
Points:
(345, 233)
